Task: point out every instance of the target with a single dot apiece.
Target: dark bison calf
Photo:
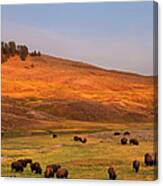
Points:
(126, 133)
(35, 167)
(148, 160)
(124, 141)
(112, 173)
(116, 133)
(136, 165)
(62, 173)
(134, 141)
(17, 166)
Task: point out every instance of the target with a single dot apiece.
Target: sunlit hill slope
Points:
(52, 88)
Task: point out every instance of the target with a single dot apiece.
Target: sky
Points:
(111, 35)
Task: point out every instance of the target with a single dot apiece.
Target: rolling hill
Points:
(44, 89)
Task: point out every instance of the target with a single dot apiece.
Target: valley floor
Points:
(83, 161)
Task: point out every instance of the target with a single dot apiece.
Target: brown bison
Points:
(136, 165)
(124, 141)
(28, 160)
(84, 140)
(49, 172)
(134, 141)
(55, 167)
(80, 139)
(116, 133)
(76, 138)
(25, 161)
(148, 160)
(35, 167)
(112, 173)
(17, 166)
(126, 133)
(62, 173)
(22, 162)
(54, 135)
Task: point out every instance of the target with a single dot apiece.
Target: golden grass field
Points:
(46, 94)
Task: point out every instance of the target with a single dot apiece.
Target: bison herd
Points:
(50, 171)
(55, 170)
(148, 161)
(124, 140)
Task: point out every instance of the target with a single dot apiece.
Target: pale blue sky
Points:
(111, 35)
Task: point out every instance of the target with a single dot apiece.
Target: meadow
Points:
(83, 161)
(45, 94)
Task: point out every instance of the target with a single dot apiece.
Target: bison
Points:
(116, 133)
(49, 172)
(126, 133)
(36, 167)
(84, 140)
(17, 166)
(24, 164)
(76, 138)
(148, 160)
(25, 161)
(55, 167)
(124, 141)
(136, 165)
(112, 173)
(62, 173)
(54, 135)
(134, 141)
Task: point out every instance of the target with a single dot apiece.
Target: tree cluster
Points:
(10, 49)
(35, 53)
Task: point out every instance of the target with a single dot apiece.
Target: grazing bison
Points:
(55, 167)
(25, 161)
(54, 135)
(124, 141)
(134, 141)
(136, 165)
(126, 133)
(112, 173)
(80, 139)
(17, 166)
(84, 140)
(76, 138)
(116, 133)
(24, 164)
(148, 161)
(36, 167)
(49, 172)
(62, 173)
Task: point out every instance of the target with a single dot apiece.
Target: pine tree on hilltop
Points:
(12, 48)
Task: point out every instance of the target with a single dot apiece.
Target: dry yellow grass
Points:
(55, 78)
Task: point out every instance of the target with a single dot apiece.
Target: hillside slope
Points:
(49, 88)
